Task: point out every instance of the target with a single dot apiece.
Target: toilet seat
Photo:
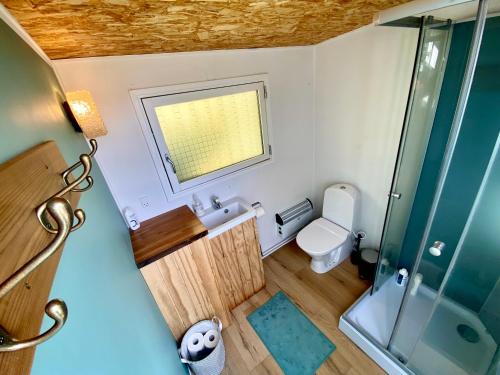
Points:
(321, 236)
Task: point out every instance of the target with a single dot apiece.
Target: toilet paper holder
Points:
(259, 209)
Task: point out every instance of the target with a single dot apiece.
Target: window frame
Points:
(145, 100)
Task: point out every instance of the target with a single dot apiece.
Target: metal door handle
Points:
(437, 248)
(395, 195)
(169, 161)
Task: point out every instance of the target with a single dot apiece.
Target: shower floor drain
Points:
(468, 333)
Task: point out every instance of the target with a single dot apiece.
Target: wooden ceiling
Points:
(84, 28)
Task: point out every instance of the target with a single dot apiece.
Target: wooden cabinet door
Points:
(207, 278)
(238, 259)
(185, 287)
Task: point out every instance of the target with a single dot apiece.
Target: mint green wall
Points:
(114, 326)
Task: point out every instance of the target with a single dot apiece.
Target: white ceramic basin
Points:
(233, 212)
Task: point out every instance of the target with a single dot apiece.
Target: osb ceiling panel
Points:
(84, 28)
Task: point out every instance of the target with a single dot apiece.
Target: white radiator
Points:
(293, 219)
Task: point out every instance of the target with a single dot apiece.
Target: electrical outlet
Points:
(145, 202)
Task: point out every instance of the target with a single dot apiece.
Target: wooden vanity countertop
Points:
(164, 234)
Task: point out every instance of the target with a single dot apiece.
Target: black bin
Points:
(367, 264)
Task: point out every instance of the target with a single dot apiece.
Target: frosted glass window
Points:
(206, 135)
(205, 131)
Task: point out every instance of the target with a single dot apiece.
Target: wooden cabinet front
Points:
(207, 278)
(238, 259)
(185, 287)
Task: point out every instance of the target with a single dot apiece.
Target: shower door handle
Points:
(395, 195)
(437, 248)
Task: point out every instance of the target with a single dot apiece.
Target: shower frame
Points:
(378, 352)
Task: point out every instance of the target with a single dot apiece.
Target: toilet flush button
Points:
(437, 248)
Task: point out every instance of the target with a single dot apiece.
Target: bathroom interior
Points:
(317, 184)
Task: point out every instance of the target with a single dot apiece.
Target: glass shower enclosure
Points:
(443, 216)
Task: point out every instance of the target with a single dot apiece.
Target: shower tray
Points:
(370, 321)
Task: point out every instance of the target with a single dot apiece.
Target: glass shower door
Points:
(449, 319)
(462, 333)
(430, 62)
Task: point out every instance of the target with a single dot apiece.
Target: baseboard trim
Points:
(272, 249)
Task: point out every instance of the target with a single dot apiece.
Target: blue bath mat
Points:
(293, 340)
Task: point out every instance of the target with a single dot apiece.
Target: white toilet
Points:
(328, 240)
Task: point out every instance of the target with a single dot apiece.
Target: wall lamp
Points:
(83, 115)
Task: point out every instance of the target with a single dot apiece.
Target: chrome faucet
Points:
(216, 204)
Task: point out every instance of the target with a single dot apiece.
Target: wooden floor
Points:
(323, 298)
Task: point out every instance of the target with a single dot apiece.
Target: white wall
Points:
(124, 156)
(336, 111)
(362, 80)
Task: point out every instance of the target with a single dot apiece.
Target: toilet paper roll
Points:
(259, 211)
(211, 339)
(195, 346)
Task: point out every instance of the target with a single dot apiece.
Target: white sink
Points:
(233, 212)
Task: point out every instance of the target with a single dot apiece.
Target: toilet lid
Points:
(321, 236)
